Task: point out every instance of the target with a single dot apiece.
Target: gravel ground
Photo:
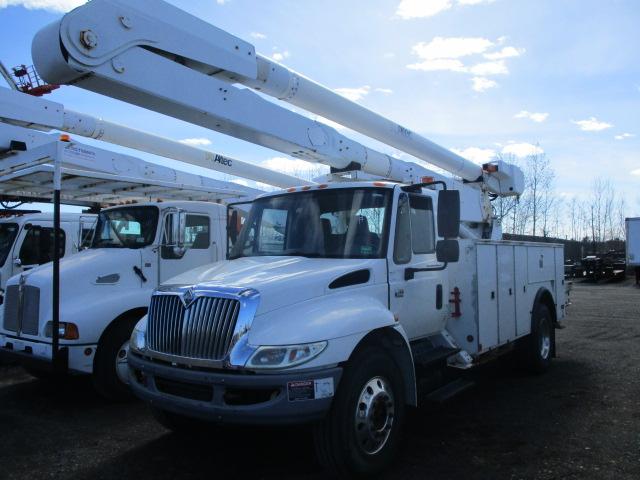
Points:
(581, 420)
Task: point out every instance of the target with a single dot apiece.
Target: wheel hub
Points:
(545, 340)
(374, 415)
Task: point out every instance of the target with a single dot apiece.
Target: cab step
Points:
(449, 390)
(425, 354)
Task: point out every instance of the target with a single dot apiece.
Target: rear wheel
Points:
(361, 433)
(110, 369)
(540, 344)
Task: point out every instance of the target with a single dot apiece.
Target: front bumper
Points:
(235, 398)
(37, 354)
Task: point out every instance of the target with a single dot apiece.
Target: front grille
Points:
(22, 309)
(193, 391)
(202, 331)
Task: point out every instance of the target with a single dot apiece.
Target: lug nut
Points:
(88, 39)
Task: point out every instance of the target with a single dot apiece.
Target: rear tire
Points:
(110, 359)
(360, 435)
(539, 346)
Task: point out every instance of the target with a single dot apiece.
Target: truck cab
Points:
(26, 241)
(105, 289)
(335, 303)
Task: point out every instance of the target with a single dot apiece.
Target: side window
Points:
(422, 230)
(272, 230)
(37, 247)
(196, 234)
(402, 246)
(86, 237)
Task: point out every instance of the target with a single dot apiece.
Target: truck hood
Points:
(86, 266)
(281, 281)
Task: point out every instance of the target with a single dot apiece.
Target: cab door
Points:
(197, 248)
(35, 246)
(416, 298)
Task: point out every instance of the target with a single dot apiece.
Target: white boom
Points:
(154, 55)
(20, 109)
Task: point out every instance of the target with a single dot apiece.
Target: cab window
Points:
(37, 247)
(422, 230)
(196, 235)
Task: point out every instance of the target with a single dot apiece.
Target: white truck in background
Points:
(105, 289)
(632, 230)
(341, 303)
(26, 240)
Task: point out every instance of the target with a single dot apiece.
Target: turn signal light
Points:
(65, 138)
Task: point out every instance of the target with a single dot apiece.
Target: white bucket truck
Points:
(105, 289)
(632, 230)
(342, 303)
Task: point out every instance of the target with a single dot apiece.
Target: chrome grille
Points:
(202, 331)
(22, 309)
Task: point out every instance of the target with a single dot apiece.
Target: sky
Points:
(481, 77)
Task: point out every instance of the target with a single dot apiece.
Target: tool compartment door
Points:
(506, 294)
(487, 297)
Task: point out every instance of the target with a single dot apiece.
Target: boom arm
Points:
(19, 109)
(154, 55)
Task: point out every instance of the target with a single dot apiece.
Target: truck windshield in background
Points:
(334, 223)
(127, 227)
(8, 232)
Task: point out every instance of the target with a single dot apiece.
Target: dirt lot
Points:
(579, 421)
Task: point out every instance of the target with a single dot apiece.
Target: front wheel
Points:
(361, 433)
(110, 369)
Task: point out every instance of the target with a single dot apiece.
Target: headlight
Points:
(138, 342)
(285, 356)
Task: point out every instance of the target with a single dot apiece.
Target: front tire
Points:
(360, 435)
(110, 370)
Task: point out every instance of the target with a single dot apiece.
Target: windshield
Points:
(127, 227)
(335, 223)
(8, 232)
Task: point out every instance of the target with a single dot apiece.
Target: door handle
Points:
(399, 293)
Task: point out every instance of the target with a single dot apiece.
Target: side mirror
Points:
(232, 226)
(174, 230)
(447, 251)
(449, 213)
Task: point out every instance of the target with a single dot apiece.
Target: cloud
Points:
(522, 149)
(389, 55)
(480, 84)
(506, 52)
(450, 64)
(387, 91)
(221, 2)
(280, 56)
(196, 142)
(354, 94)
(451, 47)
(409, 9)
(258, 35)
(624, 135)
(52, 5)
(536, 117)
(449, 54)
(475, 154)
(636, 171)
(592, 125)
(490, 68)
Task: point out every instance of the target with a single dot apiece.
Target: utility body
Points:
(340, 303)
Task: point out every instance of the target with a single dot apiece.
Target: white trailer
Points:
(140, 242)
(632, 230)
(26, 240)
(341, 301)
